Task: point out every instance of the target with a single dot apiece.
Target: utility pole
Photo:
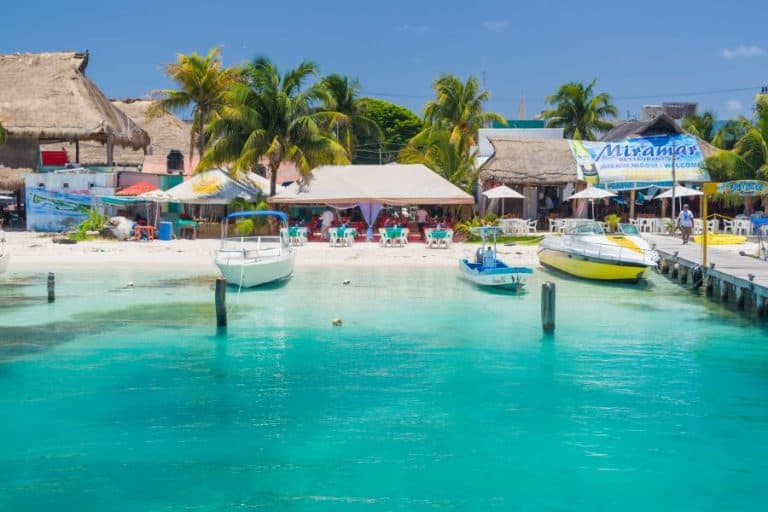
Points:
(380, 153)
(674, 179)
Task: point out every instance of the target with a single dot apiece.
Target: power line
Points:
(502, 99)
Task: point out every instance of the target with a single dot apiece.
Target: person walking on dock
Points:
(685, 222)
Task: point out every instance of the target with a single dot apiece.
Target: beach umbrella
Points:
(680, 191)
(503, 192)
(592, 193)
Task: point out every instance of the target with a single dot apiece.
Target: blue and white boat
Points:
(487, 269)
(255, 260)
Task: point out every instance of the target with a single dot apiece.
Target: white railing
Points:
(254, 247)
(618, 253)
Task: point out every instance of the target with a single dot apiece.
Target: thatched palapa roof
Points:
(166, 132)
(47, 96)
(530, 161)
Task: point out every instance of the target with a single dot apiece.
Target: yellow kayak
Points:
(720, 239)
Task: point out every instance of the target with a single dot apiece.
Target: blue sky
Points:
(640, 52)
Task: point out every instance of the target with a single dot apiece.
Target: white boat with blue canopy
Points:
(249, 261)
(487, 269)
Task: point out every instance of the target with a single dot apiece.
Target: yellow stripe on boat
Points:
(720, 239)
(589, 268)
(625, 242)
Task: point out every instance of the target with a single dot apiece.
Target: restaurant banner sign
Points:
(743, 188)
(645, 159)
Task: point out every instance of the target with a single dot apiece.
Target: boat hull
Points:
(248, 273)
(507, 279)
(588, 267)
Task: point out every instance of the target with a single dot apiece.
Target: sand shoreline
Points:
(36, 251)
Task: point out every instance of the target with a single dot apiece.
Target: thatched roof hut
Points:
(530, 161)
(166, 132)
(660, 125)
(47, 96)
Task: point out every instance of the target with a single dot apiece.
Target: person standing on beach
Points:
(326, 220)
(685, 222)
(421, 220)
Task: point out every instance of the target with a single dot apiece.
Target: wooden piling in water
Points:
(221, 302)
(51, 287)
(548, 306)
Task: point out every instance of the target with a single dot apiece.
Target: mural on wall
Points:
(52, 211)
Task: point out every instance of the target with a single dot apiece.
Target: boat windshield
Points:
(628, 229)
(586, 228)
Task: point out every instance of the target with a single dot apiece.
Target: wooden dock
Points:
(730, 278)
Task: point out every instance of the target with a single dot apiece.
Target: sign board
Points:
(645, 159)
(743, 187)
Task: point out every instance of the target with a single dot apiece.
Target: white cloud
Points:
(734, 105)
(416, 29)
(742, 51)
(496, 25)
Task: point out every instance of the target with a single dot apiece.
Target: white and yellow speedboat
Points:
(586, 251)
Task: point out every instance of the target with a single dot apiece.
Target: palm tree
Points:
(580, 111)
(272, 116)
(444, 156)
(458, 108)
(701, 126)
(203, 85)
(343, 98)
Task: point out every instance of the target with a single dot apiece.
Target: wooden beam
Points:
(110, 152)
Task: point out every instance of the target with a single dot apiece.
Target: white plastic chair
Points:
(698, 226)
(384, 239)
(334, 238)
(728, 226)
(713, 225)
(532, 225)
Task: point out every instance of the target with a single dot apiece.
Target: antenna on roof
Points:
(521, 110)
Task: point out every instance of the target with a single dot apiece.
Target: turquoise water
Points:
(433, 395)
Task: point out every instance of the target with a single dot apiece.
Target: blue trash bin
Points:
(165, 231)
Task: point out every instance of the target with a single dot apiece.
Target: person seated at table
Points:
(139, 220)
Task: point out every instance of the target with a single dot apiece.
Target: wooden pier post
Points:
(724, 291)
(221, 302)
(51, 287)
(548, 306)
(740, 294)
(675, 270)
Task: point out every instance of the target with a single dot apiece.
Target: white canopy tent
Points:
(592, 193)
(503, 192)
(371, 186)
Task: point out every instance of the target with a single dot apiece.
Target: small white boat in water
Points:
(255, 260)
(487, 270)
(4, 257)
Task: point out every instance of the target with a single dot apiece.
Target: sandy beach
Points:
(31, 251)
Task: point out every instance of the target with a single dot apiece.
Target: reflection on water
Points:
(433, 394)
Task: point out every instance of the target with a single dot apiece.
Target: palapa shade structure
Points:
(397, 185)
(166, 132)
(47, 96)
(529, 161)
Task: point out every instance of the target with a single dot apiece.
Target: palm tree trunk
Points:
(201, 133)
(274, 165)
